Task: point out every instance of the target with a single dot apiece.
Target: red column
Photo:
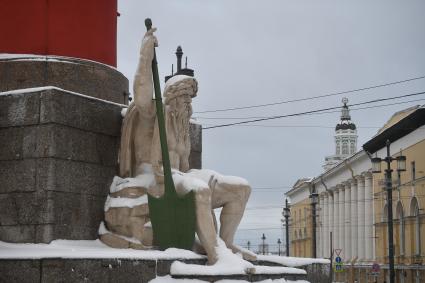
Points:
(76, 28)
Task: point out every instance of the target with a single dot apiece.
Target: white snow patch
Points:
(175, 79)
(124, 111)
(292, 261)
(194, 121)
(169, 279)
(102, 231)
(125, 202)
(86, 249)
(207, 174)
(142, 180)
(227, 263)
(188, 183)
(260, 269)
(53, 58)
(35, 89)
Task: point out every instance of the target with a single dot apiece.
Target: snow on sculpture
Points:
(126, 209)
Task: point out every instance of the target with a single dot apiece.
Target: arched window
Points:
(305, 232)
(414, 211)
(401, 225)
(384, 216)
(352, 147)
(345, 147)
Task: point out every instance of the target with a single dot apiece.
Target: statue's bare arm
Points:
(143, 85)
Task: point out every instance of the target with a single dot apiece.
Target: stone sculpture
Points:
(127, 217)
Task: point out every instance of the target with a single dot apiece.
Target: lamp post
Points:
(314, 200)
(376, 168)
(278, 244)
(264, 247)
(286, 214)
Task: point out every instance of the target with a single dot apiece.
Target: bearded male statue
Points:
(140, 156)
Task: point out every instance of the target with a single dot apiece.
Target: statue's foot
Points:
(246, 254)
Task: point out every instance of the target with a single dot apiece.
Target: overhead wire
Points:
(311, 111)
(324, 112)
(313, 97)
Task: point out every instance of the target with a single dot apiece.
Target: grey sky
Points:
(254, 52)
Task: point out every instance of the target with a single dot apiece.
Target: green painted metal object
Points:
(173, 217)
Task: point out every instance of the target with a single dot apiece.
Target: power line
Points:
(327, 112)
(309, 112)
(312, 97)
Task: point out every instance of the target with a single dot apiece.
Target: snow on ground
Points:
(229, 263)
(86, 249)
(168, 279)
(292, 261)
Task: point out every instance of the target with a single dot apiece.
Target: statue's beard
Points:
(181, 123)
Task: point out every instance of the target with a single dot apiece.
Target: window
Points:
(384, 216)
(352, 147)
(400, 216)
(344, 147)
(414, 211)
(338, 151)
(413, 170)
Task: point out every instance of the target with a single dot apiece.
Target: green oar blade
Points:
(173, 220)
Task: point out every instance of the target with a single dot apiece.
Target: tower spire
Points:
(345, 138)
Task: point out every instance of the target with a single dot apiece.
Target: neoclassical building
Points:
(352, 206)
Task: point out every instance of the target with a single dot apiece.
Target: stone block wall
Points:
(58, 156)
(73, 74)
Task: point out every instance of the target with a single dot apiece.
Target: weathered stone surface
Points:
(195, 160)
(46, 233)
(319, 273)
(114, 241)
(91, 270)
(195, 157)
(80, 112)
(77, 75)
(111, 270)
(18, 175)
(195, 137)
(130, 192)
(19, 109)
(22, 271)
(18, 233)
(25, 208)
(73, 176)
(52, 140)
(127, 221)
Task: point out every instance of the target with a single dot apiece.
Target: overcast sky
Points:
(255, 52)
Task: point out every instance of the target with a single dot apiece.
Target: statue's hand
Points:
(150, 38)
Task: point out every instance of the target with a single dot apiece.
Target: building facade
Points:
(351, 212)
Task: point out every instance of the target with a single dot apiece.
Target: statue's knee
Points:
(203, 196)
(246, 191)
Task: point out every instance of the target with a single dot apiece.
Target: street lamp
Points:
(287, 214)
(314, 200)
(264, 247)
(376, 168)
(278, 244)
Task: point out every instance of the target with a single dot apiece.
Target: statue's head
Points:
(178, 93)
(180, 86)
